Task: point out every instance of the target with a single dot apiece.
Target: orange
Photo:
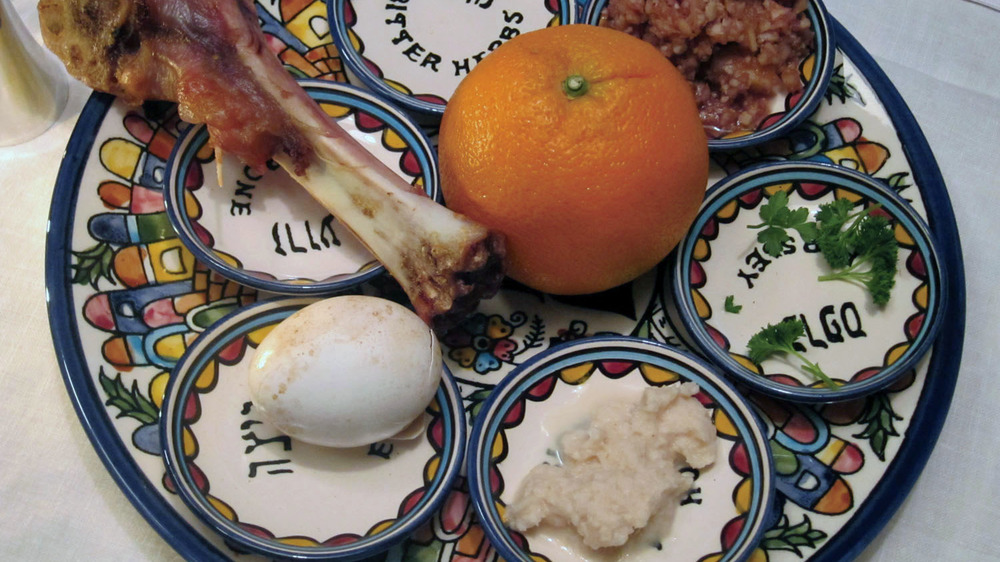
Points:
(584, 147)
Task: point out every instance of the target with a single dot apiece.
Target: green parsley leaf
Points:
(731, 306)
(780, 338)
(860, 247)
(777, 218)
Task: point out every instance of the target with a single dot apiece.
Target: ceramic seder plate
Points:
(118, 333)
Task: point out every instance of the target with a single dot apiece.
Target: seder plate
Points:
(852, 464)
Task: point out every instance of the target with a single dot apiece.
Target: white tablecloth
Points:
(57, 501)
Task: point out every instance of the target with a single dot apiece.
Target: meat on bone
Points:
(211, 58)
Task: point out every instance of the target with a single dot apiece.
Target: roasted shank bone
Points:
(211, 57)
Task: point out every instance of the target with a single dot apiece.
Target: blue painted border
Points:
(868, 521)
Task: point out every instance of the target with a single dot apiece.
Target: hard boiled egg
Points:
(346, 371)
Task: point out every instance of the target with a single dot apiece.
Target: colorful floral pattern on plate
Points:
(415, 53)
(276, 496)
(729, 285)
(721, 518)
(120, 321)
(261, 229)
(790, 110)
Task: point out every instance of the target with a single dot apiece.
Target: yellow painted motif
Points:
(657, 375)
(334, 110)
(170, 347)
(724, 424)
(700, 251)
(499, 446)
(845, 194)
(121, 157)
(746, 362)
(471, 543)
(701, 305)
(397, 86)
(393, 140)
(206, 152)
(380, 526)
(298, 541)
(828, 455)
(301, 26)
(743, 495)
(158, 388)
(904, 237)
(206, 379)
(921, 296)
(896, 352)
(808, 67)
(431, 469)
(848, 157)
(728, 210)
(355, 41)
(496, 328)
(189, 443)
(772, 189)
(258, 335)
(577, 374)
(222, 507)
(191, 205)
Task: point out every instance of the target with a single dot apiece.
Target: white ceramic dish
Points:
(731, 503)
(271, 495)
(862, 346)
(790, 110)
(263, 230)
(416, 53)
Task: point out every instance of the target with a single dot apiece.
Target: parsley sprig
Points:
(860, 246)
(777, 218)
(780, 338)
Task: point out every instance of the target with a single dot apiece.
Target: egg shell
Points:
(346, 371)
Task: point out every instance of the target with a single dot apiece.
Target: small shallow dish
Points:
(862, 346)
(732, 500)
(270, 495)
(788, 110)
(415, 54)
(265, 231)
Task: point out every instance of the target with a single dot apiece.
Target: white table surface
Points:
(57, 501)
